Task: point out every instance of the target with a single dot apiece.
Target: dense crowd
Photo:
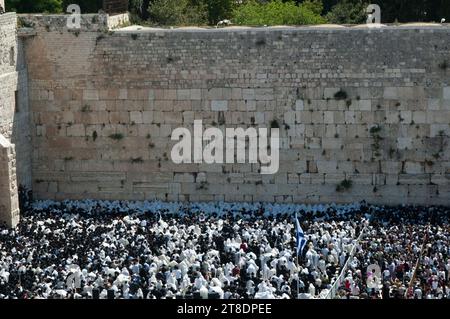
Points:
(99, 249)
(405, 253)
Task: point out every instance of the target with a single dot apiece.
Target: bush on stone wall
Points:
(35, 6)
(349, 12)
(178, 12)
(220, 10)
(278, 13)
(52, 6)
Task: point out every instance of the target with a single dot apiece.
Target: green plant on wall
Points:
(277, 12)
(35, 6)
(52, 6)
(178, 12)
(345, 185)
(376, 145)
(116, 136)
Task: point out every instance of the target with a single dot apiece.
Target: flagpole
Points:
(296, 260)
(298, 277)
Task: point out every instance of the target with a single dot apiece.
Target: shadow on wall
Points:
(21, 135)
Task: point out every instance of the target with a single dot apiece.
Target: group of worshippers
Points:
(95, 249)
(155, 250)
(404, 254)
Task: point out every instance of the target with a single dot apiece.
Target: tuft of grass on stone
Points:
(340, 95)
(137, 160)
(116, 136)
(99, 38)
(375, 129)
(203, 186)
(260, 42)
(436, 155)
(346, 184)
(274, 124)
(443, 65)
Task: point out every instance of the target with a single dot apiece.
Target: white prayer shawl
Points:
(217, 290)
(199, 282)
(185, 283)
(342, 259)
(312, 290)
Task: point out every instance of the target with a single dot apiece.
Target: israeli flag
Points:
(300, 235)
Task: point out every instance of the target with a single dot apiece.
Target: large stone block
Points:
(9, 207)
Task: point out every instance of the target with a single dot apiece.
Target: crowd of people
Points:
(134, 250)
(405, 253)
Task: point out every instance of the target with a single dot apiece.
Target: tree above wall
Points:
(35, 6)
(52, 6)
(212, 11)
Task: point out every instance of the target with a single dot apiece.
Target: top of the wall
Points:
(105, 22)
(31, 23)
(59, 22)
(312, 28)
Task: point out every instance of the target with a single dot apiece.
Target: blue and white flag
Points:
(300, 235)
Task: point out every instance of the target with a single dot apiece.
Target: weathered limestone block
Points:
(219, 105)
(9, 202)
(446, 93)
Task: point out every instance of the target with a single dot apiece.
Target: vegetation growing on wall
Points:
(278, 12)
(253, 12)
(52, 6)
(178, 12)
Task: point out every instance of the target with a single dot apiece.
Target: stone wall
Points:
(8, 74)
(369, 106)
(9, 83)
